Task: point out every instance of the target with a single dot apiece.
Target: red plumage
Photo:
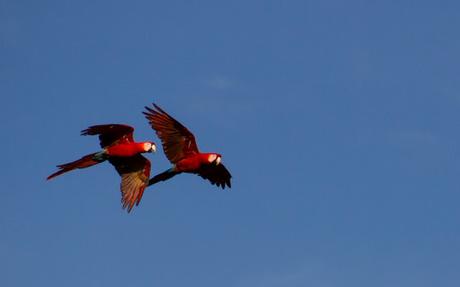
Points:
(182, 151)
(120, 149)
(84, 162)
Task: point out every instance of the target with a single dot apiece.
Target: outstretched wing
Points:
(110, 134)
(135, 173)
(178, 142)
(216, 174)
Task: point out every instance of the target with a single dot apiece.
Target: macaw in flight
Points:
(120, 149)
(181, 149)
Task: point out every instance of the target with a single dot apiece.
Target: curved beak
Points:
(217, 161)
(153, 149)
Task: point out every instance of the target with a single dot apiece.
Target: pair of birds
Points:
(120, 149)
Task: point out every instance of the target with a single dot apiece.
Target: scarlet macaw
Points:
(181, 149)
(120, 149)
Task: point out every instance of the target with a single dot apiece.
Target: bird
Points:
(120, 149)
(180, 148)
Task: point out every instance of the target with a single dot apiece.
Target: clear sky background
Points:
(339, 121)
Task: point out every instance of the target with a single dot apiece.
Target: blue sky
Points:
(338, 120)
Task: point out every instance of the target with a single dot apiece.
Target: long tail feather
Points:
(84, 162)
(163, 176)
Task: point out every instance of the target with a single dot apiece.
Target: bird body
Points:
(182, 151)
(194, 162)
(127, 149)
(120, 149)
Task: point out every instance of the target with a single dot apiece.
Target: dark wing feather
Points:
(178, 142)
(216, 174)
(111, 134)
(135, 173)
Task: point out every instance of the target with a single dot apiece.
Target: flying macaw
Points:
(181, 149)
(120, 149)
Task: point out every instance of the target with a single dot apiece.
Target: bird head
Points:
(150, 147)
(214, 158)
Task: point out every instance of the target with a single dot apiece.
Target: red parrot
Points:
(181, 149)
(120, 149)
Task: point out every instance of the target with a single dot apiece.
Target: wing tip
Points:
(84, 132)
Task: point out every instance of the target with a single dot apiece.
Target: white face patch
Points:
(212, 157)
(147, 146)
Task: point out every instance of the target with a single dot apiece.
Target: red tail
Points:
(84, 162)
